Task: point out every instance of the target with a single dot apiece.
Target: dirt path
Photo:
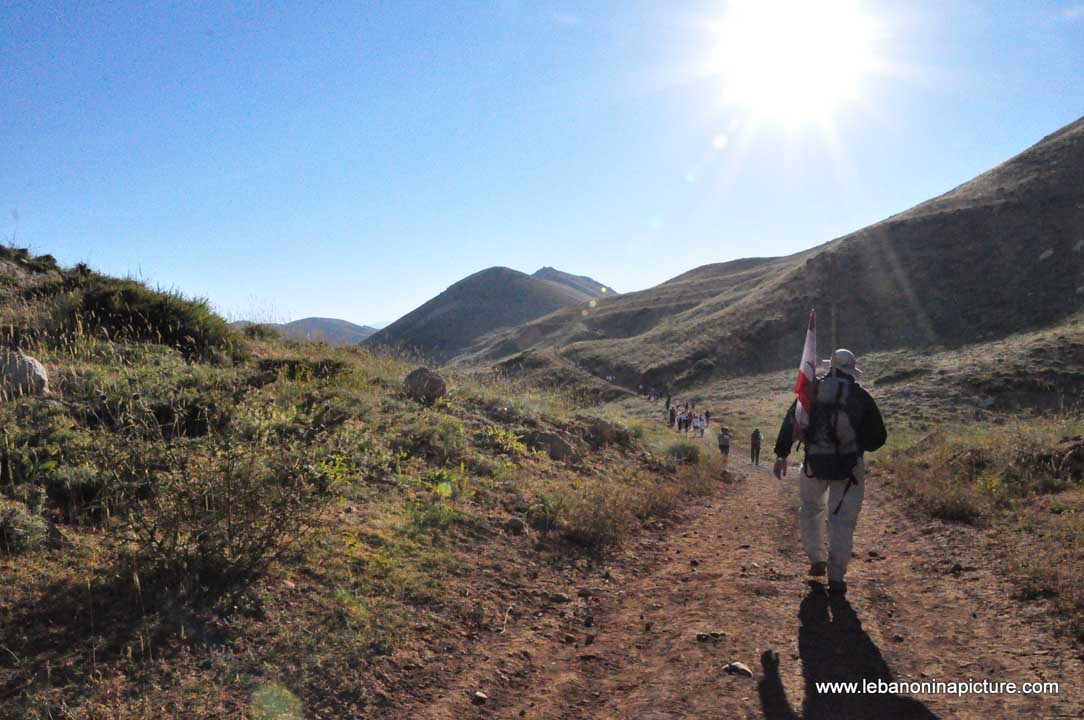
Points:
(924, 604)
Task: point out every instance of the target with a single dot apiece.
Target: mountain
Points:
(1000, 254)
(462, 315)
(330, 330)
(584, 284)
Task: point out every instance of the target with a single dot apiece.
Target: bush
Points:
(128, 310)
(20, 529)
(433, 437)
(684, 452)
(77, 491)
(598, 514)
(203, 517)
(259, 331)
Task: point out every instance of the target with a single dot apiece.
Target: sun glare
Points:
(793, 61)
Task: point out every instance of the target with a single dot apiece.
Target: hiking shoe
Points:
(837, 587)
(818, 569)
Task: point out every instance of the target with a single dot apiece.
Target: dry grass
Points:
(356, 607)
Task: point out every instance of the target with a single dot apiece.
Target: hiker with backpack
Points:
(844, 424)
(754, 447)
(724, 439)
(671, 417)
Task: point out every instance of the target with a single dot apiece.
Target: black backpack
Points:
(831, 443)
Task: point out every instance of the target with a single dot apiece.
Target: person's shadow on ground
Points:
(834, 648)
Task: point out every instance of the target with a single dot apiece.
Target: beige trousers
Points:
(826, 535)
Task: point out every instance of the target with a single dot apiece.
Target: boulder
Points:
(22, 375)
(600, 433)
(553, 444)
(425, 386)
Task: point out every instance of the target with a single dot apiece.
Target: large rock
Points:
(425, 386)
(22, 375)
(600, 433)
(553, 444)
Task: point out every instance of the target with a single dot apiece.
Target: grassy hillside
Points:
(998, 255)
(196, 523)
(471, 309)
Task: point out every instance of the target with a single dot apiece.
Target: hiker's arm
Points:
(785, 440)
(871, 431)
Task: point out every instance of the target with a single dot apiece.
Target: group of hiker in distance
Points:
(838, 422)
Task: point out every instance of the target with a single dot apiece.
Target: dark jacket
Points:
(869, 426)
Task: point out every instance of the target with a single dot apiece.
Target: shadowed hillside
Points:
(999, 254)
(473, 307)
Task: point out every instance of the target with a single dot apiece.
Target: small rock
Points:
(737, 668)
(479, 698)
(585, 592)
(744, 546)
(898, 638)
(558, 597)
(694, 563)
(590, 639)
(516, 526)
(957, 568)
(648, 626)
(874, 554)
(713, 636)
(589, 621)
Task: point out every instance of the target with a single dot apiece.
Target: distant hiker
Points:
(724, 445)
(844, 423)
(707, 417)
(668, 402)
(754, 447)
(696, 424)
(673, 417)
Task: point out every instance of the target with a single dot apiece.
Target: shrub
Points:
(432, 515)
(128, 310)
(205, 517)
(598, 514)
(504, 441)
(545, 512)
(433, 437)
(77, 490)
(685, 452)
(259, 331)
(20, 529)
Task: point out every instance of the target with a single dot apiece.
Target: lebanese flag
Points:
(807, 373)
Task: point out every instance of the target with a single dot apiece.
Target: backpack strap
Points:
(851, 480)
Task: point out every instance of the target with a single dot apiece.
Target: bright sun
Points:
(794, 61)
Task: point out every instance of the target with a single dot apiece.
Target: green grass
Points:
(285, 500)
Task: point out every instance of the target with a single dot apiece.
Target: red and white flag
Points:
(807, 373)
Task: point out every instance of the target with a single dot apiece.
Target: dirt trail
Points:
(924, 603)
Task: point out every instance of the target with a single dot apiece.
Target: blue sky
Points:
(353, 160)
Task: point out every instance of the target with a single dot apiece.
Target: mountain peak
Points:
(582, 283)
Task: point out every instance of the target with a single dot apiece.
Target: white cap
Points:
(844, 361)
